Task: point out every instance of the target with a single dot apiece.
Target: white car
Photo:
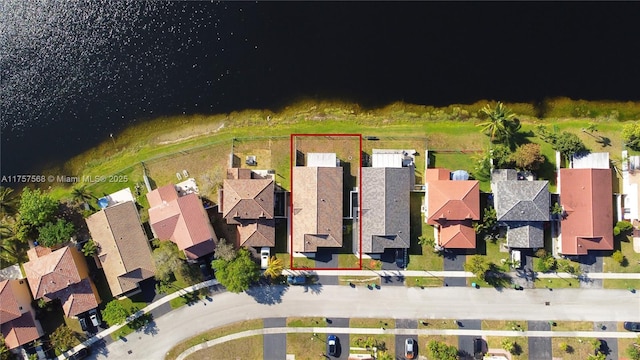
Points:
(95, 319)
(265, 253)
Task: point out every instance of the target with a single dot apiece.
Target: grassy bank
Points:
(201, 144)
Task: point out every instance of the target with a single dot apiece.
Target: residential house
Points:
(247, 200)
(451, 207)
(385, 209)
(61, 274)
(586, 198)
(17, 317)
(124, 251)
(182, 220)
(317, 204)
(522, 206)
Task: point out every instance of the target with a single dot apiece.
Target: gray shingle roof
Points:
(520, 200)
(525, 235)
(385, 208)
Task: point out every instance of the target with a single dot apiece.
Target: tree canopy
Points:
(8, 202)
(114, 313)
(224, 250)
(167, 260)
(275, 267)
(478, 265)
(36, 209)
(441, 351)
(63, 338)
(631, 135)
(238, 274)
(51, 234)
(501, 125)
(569, 144)
(528, 157)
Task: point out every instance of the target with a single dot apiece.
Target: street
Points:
(391, 301)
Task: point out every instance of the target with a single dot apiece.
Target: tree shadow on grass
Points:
(267, 294)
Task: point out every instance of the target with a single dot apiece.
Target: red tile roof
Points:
(437, 174)
(586, 197)
(57, 276)
(182, 220)
(453, 200)
(19, 331)
(9, 308)
(257, 233)
(457, 235)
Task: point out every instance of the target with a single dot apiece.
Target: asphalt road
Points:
(406, 303)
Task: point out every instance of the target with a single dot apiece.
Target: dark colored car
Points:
(296, 280)
(400, 258)
(632, 326)
(80, 354)
(478, 353)
(332, 345)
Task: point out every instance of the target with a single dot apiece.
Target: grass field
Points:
(246, 348)
(213, 334)
(522, 346)
(306, 322)
(306, 346)
(169, 140)
(504, 325)
(578, 349)
(372, 323)
(423, 340)
(573, 326)
(632, 263)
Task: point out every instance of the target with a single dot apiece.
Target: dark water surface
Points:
(73, 72)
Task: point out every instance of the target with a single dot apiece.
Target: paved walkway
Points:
(379, 331)
(456, 274)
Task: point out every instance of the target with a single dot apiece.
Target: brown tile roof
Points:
(62, 274)
(19, 331)
(124, 249)
(257, 233)
(238, 173)
(247, 199)
(182, 220)
(457, 235)
(453, 200)
(9, 308)
(586, 197)
(317, 208)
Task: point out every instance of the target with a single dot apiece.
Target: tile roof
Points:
(9, 308)
(586, 197)
(457, 235)
(19, 331)
(453, 200)
(385, 208)
(257, 233)
(124, 249)
(317, 208)
(525, 234)
(247, 199)
(434, 174)
(57, 275)
(521, 200)
(182, 220)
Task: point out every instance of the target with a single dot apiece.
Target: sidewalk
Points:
(107, 332)
(458, 274)
(418, 332)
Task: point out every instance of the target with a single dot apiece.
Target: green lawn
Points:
(555, 283)
(303, 263)
(573, 326)
(306, 322)
(578, 349)
(306, 346)
(621, 284)
(632, 264)
(372, 323)
(417, 281)
(522, 345)
(421, 257)
(248, 348)
(213, 334)
(504, 325)
(436, 324)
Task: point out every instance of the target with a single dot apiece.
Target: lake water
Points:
(71, 73)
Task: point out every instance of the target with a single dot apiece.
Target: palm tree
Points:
(501, 125)
(275, 267)
(8, 202)
(12, 249)
(90, 248)
(82, 195)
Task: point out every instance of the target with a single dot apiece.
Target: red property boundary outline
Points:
(291, 161)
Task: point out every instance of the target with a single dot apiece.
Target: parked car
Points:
(516, 259)
(83, 323)
(80, 354)
(265, 253)
(478, 352)
(296, 280)
(332, 345)
(95, 318)
(409, 348)
(632, 326)
(400, 258)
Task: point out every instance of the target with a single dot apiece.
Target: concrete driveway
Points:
(454, 260)
(539, 347)
(343, 339)
(400, 339)
(465, 343)
(274, 345)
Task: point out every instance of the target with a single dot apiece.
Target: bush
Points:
(633, 351)
(509, 345)
(618, 257)
(631, 135)
(52, 234)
